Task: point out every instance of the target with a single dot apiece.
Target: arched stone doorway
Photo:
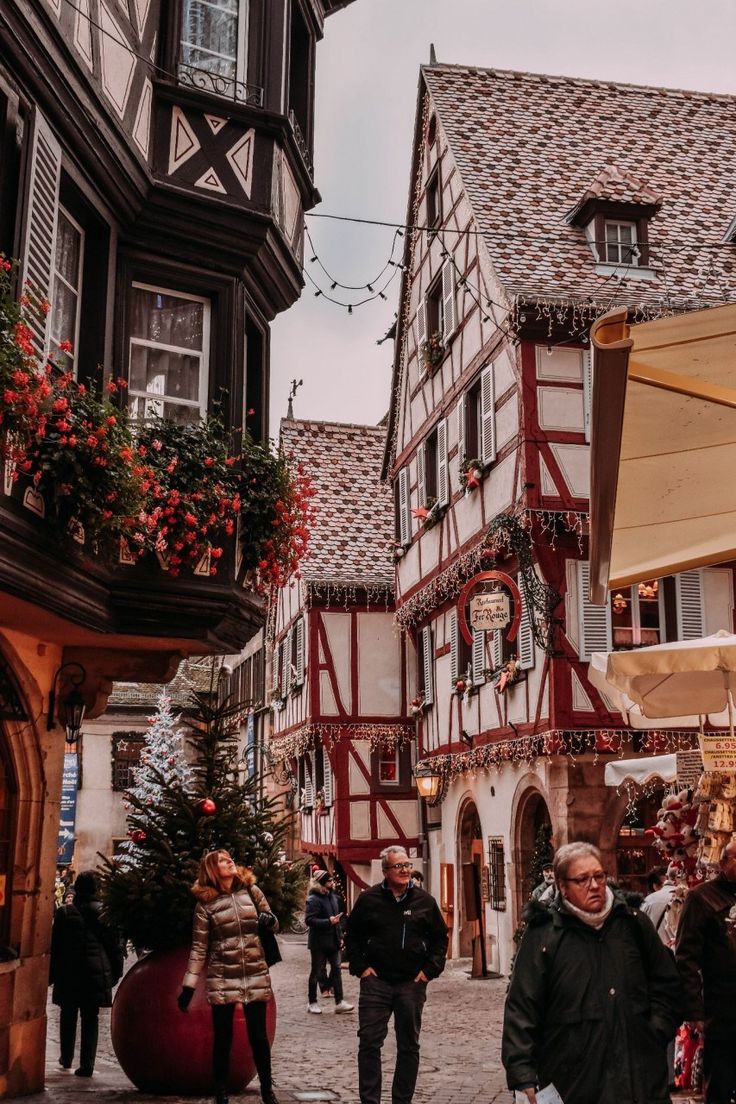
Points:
(533, 823)
(470, 840)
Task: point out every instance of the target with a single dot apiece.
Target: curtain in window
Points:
(209, 36)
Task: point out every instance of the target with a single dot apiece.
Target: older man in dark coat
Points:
(594, 998)
(706, 957)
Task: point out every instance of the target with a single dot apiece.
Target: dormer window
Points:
(620, 243)
(615, 212)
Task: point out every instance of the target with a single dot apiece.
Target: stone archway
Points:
(532, 813)
(470, 850)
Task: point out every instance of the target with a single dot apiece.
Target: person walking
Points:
(231, 920)
(323, 915)
(657, 901)
(594, 997)
(86, 962)
(706, 958)
(396, 941)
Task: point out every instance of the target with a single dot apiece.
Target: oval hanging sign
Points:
(490, 611)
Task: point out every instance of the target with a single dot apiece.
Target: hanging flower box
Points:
(433, 351)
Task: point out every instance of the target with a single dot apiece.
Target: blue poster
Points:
(68, 812)
(250, 748)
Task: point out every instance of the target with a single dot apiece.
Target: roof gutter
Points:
(611, 346)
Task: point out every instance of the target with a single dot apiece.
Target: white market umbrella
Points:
(679, 679)
(632, 713)
(641, 771)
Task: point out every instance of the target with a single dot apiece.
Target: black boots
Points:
(268, 1096)
(221, 1097)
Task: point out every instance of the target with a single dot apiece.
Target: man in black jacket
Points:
(706, 958)
(322, 915)
(396, 941)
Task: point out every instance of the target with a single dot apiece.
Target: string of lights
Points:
(369, 284)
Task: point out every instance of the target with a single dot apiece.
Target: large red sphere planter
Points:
(167, 1052)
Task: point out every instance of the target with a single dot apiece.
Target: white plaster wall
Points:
(379, 665)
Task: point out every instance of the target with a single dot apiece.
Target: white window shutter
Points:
(443, 473)
(286, 662)
(404, 507)
(461, 432)
(275, 667)
(39, 239)
(427, 667)
(587, 391)
(454, 647)
(421, 330)
(449, 300)
(309, 779)
(299, 629)
(487, 417)
(689, 591)
(422, 475)
(526, 636)
(328, 777)
(594, 628)
(479, 657)
(497, 650)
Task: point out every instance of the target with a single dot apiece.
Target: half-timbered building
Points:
(342, 675)
(535, 204)
(155, 165)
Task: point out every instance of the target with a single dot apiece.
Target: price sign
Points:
(490, 612)
(719, 753)
(689, 769)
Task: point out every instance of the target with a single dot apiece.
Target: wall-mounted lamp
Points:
(428, 782)
(71, 704)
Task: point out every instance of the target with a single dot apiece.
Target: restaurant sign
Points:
(483, 610)
(490, 612)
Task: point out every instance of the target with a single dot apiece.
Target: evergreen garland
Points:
(149, 899)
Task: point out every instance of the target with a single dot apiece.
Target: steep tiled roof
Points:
(528, 146)
(352, 535)
(194, 675)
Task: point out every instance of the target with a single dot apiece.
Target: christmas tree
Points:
(149, 899)
(163, 762)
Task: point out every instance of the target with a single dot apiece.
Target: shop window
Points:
(213, 45)
(126, 756)
(635, 852)
(7, 822)
(496, 873)
(169, 354)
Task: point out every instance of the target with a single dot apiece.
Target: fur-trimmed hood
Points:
(242, 880)
(318, 887)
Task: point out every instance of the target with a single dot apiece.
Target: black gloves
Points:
(185, 997)
(266, 920)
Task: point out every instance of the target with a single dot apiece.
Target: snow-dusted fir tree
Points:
(163, 763)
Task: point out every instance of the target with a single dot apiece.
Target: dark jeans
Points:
(320, 958)
(378, 999)
(255, 1021)
(719, 1069)
(88, 1015)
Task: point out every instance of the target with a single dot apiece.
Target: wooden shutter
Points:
(449, 300)
(443, 474)
(587, 391)
(454, 647)
(309, 779)
(594, 622)
(427, 668)
(275, 668)
(404, 507)
(328, 777)
(422, 475)
(526, 636)
(487, 417)
(461, 433)
(421, 330)
(479, 657)
(286, 662)
(689, 591)
(39, 239)
(497, 650)
(299, 637)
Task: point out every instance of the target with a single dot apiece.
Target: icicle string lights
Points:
(379, 736)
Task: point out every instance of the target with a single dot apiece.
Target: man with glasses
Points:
(396, 941)
(594, 998)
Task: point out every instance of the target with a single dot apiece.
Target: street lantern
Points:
(428, 782)
(71, 706)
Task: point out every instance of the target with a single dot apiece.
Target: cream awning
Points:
(641, 771)
(663, 446)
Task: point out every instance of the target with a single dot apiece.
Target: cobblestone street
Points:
(461, 1039)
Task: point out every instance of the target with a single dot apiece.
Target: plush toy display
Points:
(675, 834)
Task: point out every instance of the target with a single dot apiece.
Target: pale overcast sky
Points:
(367, 74)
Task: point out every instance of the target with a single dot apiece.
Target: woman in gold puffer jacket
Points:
(230, 912)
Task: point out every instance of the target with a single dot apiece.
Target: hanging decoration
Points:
(337, 592)
(379, 736)
(675, 834)
(207, 807)
(528, 749)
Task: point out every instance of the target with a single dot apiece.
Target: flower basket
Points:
(433, 351)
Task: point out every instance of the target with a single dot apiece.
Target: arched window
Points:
(8, 790)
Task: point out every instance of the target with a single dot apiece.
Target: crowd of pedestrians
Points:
(601, 983)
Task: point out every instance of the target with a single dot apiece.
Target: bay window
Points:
(213, 45)
(66, 291)
(169, 354)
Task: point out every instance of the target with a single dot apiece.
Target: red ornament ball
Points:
(207, 807)
(138, 835)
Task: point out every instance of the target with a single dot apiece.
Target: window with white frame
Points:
(433, 477)
(637, 615)
(437, 318)
(213, 45)
(169, 354)
(66, 293)
(620, 243)
(476, 421)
